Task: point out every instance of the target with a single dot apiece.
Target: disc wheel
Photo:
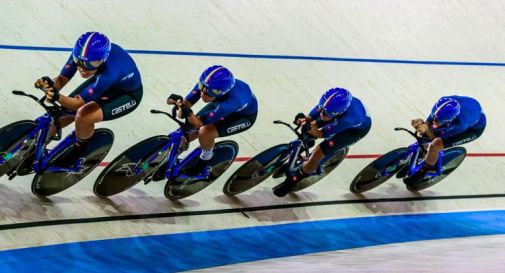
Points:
(379, 171)
(50, 181)
(10, 136)
(121, 174)
(256, 170)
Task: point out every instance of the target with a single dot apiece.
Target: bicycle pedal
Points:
(148, 180)
(12, 174)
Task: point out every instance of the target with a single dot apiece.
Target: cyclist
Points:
(454, 120)
(231, 109)
(341, 120)
(113, 87)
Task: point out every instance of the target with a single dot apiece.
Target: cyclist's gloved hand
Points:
(308, 139)
(44, 82)
(174, 98)
(52, 94)
(416, 122)
(299, 118)
(425, 130)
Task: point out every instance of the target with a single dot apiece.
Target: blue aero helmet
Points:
(335, 102)
(91, 50)
(445, 110)
(217, 80)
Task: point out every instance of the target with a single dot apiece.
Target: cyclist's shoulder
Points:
(356, 108)
(117, 49)
(119, 58)
(240, 92)
(355, 114)
(119, 66)
(241, 86)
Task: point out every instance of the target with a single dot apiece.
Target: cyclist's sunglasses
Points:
(438, 122)
(205, 90)
(91, 65)
(323, 111)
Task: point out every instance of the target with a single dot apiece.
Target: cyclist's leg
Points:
(231, 125)
(116, 104)
(436, 145)
(235, 124)
(112, 105)
(64, 121)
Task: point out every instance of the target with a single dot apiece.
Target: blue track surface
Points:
(178, 252)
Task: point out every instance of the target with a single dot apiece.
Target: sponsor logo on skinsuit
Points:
(238, 127)
(123, 107)
(466, 140)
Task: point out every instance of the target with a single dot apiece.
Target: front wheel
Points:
(225, 153)
(122, 173)
(327, 165)
(451, 159)
(11, 135)
(52, 181)
(379, 171)
(256, 170)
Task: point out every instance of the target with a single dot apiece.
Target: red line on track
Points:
(365, 156)
(486, 154)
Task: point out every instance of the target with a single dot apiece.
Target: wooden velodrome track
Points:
(397, 60)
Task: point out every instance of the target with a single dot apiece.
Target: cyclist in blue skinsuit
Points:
(232, 108)
(341, 120)
(454, 120)
(113, 87)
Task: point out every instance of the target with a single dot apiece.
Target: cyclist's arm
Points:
(193, 96)
(195, 121)
(60, 81)
(88, 94)
(339, 125)
(314, 113)
(315, 131)
(72, 103)
(219, 112)
(451, 130)
(67, 72)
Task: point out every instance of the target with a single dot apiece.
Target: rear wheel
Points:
(256, 170)
(225, 153)
(121, 174)
(379, 171)
(451, 159)
(52, 181)
(11, 135)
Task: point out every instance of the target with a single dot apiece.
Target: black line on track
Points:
(236, 210)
